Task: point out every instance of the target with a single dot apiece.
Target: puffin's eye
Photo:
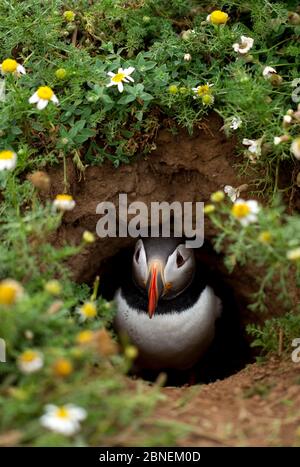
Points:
(179, 260)
(137, 255)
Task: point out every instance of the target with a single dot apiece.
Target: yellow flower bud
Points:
(69, 16)
(88, 237)
(209, 208)
(53, 287)
(173, 89)
(63, 367)
(265, 237)
(217, 197)
(61, 73)
(131, 352)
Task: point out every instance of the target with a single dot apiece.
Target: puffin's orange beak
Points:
(155, 287)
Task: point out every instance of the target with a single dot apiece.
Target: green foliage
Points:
(266, 243)
(152, 37)
(267, 337)
(46, 320)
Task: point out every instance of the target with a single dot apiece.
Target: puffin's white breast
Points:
(174, 339)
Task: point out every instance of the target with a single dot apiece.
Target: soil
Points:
(259, 405)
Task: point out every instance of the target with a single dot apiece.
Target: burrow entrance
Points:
(230, 351)
(182, 168)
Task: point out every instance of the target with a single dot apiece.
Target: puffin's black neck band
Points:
(138, 299)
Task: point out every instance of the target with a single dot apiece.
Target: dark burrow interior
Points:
(230, 351)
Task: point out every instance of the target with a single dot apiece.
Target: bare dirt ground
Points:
(259, 406)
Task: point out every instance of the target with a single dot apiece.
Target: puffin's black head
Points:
(164, 267)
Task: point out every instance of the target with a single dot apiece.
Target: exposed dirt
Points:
(259, 406)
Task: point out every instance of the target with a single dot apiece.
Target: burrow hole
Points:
(230, 351)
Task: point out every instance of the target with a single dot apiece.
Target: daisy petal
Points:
(21, 70)
(33, 99)
(54, 99)
(42, 103)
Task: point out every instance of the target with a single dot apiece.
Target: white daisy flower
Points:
(277, 140)
(295, 148)
(287, 119)
(254, 145)
(281, 139)
(8, 160)
(9, 65)
(87, 311)
(245, 44)
(245, 211)
(42, 97)
(64, 419)
(123, 75)
(235, 123)
(64, 202)
(30, 361)
(187, 57)
(233, 193)
(268, 71)
(293, 255)
(202, 90)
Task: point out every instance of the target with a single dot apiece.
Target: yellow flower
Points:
(8, 160)
(265, 237)
(245, 211)
(87, 311)
(209, 208)
(30, 361)
(61, 73)
(293, 255)
(10, 292)
(217, 17)
(173, 89)
(202, 90)
(88, 237)
(64, 202)
(9, 65)
(53, 287)
(131, 352)
(85, 337)
(69, 16)
(63, 419)
(63, 367)
(42, 97)
(217, 197)
(123, 75)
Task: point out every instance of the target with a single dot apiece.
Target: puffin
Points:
(165, 307)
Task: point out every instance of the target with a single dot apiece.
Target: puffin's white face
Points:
(164, 269)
